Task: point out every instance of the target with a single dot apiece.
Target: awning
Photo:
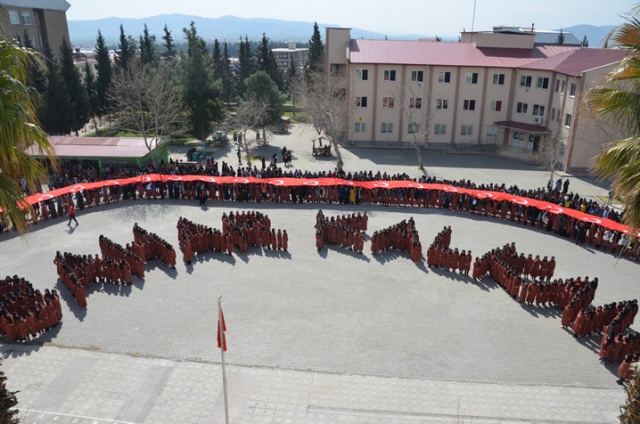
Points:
(521, 126)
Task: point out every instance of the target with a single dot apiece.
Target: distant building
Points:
(495, 88)
(43, 20)
(286, 56)
(541, 36)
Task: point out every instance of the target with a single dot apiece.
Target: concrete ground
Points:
(314, 337)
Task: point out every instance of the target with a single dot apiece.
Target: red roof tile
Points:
(104, 147)
(568, 60)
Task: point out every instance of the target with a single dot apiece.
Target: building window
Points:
(26, 18)
(538, 110)
(567, 120)
(415, 102)
(389, 75)
(560, 84)
(466, 130)
(572, 89)
(413, 128)
(417, 76)
(496, 106)
(522, 107)
(543, 83)
(33, 40)
(361, 127)
(388, 102)
(469, 105)
(492, 130)
(498, 79)
(361, 101)
(39, 40)
(14, 18)
(442, 104)
(362, 74)
(525, 81)
(444, 77)
(472, 77)
(36, 19)
(518, 135)
(440, 129)
(386, 128)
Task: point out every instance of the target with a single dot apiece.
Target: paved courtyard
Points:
(314, 337)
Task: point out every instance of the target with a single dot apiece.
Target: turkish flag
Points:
(222, 340)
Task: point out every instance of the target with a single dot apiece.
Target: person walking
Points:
(72, 214)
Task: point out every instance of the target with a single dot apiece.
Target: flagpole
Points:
(222, 349)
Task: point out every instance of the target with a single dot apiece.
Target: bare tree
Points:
(547, 155)
(416, 106)
(250, 114)
(148, 104)
(324, 96)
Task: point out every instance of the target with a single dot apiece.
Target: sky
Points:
(427, 17)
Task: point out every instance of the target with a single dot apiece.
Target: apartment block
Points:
(291, 56)
(41, 20)
(498, 87)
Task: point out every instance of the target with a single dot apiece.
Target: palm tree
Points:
(618, 98)
(19, 129)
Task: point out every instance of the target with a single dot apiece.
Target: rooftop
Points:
(104, 147)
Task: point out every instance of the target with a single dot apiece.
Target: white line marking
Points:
(96, 420)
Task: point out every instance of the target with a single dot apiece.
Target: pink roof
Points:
(104, 147)
(574, 63)
(570, 60)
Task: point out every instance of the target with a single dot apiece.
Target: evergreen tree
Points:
(105, 73)
(55, 109)
(585, 42)
(292, 73)
(169, 46)
(228, 85)
(217, 60)
(245, 64)
(79, 111)
(147, 47)
(316, 51)
(560, 39)
(92, 94)
(262, 88)
(266, 61)
(126, 50)
(201, 92)
(36, 77)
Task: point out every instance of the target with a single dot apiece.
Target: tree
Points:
(19, 129)
(169, 46)
(8, 402)
(245, 64)
(92, 94)
(316, 51)
(228, 86)
(105, 74)
(147, 47)
(148, 104)
(250, 114)
(79, 105)
(585, 42)
(418, 112)
(216, 57)
(324, 99)
(560, 39)
(55, 109)
(126, 50)
(630, 411)
(262, 89)
(266, 61)
(201, 93)
(618, 98)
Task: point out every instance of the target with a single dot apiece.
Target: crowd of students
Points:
(115, 251)
(440, 255)
(402, 236)
(612, 318)
(26, 312)
(347, 231)
(150, 246)
(196, 238)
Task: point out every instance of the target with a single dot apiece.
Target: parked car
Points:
(220, 136)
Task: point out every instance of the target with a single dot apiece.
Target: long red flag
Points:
(222, 340)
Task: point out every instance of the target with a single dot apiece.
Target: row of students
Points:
(402, 236)
(149, 246)
(615, 316)
(343, 230)
(111, 249)
(24, 312)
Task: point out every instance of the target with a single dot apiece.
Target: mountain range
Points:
(232, 28)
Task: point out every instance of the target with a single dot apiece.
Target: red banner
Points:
(297, 182)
